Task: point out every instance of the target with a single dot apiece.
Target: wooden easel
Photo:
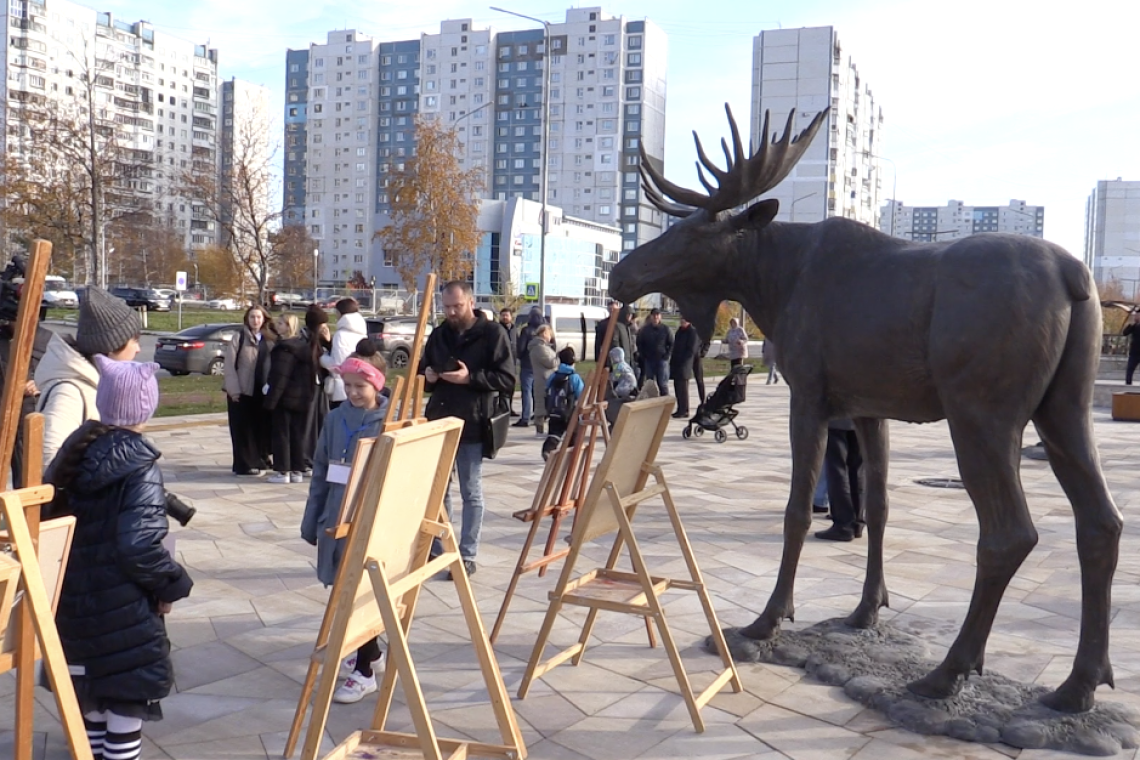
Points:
(621, 480)
(399, 512)
(21, 510)
(404, 410)
(565, 479)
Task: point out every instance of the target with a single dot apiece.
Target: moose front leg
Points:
(875, 440)
(808, 433)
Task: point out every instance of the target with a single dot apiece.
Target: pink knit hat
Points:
(356, 366)
(127, 392)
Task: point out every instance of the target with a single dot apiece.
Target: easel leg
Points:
(36, 599)
(401, 656)
(496, 689)
(519, 569)
(388, 680)
(540, 646)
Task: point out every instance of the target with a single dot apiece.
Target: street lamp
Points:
(316, 258)
(792, 209)
(545, 141)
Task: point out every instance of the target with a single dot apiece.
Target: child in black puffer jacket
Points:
(120, 579)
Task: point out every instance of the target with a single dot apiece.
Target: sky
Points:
(983, 101)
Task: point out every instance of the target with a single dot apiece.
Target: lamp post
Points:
(792, 209)
(543, 169)
(316, 258)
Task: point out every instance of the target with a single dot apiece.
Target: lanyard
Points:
(348, 436)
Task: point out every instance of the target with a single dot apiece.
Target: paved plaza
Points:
(243, 638)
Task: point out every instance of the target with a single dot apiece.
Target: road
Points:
(146, 342)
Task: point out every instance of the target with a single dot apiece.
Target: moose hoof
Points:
(761, 628)
(1069, 698)
(937, 684)
(865, 616)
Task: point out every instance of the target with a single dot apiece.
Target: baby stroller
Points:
(719, 410)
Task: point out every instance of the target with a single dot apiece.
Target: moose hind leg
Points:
(874, 439)
(808, 431)
(1066, 429)
(988, 460)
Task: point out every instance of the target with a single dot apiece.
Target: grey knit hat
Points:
(106, 323)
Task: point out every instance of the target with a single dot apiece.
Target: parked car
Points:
(142, 298)
(195, 349)
(58, 295)
(223, 304)
(289, 301)
(396, 336)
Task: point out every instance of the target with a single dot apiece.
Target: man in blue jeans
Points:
(466, 364)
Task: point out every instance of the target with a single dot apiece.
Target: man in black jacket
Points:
(466, 363)
(686, 347)
(1132, 327)
(655, 346)
(507, 322)
(622, 337)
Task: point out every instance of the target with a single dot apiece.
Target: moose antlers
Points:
(744, 177)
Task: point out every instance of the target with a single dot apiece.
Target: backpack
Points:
(560, 397)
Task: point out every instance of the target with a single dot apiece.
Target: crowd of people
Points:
(299, 398)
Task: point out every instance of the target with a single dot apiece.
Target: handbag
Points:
(496, 426)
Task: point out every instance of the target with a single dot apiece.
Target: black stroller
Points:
(719, 410)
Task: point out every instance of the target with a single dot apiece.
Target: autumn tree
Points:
(434, 215)
(221, 273)
(68, 168)
(238, 198)
(147, 252)
(293, 256)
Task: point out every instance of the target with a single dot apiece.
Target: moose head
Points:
(694, 261)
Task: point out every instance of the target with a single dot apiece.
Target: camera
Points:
(178, 509)
(10, 289)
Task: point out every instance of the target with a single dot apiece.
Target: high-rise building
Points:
(957, 220)
(243, 145)
(1112, 234)
(296, 135)
(356, 120)
(805, 70)
(158, 91)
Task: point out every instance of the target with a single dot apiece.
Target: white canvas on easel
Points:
(397, 512)
(52, 551)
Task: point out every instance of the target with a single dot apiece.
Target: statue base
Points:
(874, 666)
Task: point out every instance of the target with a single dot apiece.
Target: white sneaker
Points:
(347, 666)
(278, 478)
(354, 689)
(296, 477)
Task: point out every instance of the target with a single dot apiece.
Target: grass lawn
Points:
(167, 321)
(202, 394)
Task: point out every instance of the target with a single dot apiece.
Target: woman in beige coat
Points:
(247, 372)
(544, 361)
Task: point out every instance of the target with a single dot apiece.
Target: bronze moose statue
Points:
(987, 332)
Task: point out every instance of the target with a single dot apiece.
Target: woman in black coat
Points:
(292, 385)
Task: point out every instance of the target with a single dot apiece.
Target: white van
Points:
(58, 294)
(566, 319)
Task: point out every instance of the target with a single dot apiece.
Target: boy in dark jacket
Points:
(466, 364)
(120, 579)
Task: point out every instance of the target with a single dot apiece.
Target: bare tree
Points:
(435, 208)
(69, 169)
(238, 198)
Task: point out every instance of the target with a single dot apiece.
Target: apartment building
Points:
(296, 135)
(244, 142)
(606, 95)
(1112, 234)
(158, 91)
(341, 150)
(807, 71)
(957, 220)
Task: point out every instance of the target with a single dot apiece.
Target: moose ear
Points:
(757, 216)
